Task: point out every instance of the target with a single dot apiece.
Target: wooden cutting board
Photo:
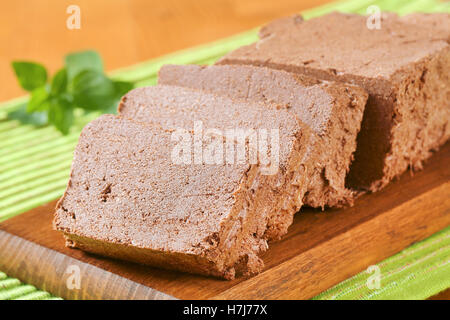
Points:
(320, 250)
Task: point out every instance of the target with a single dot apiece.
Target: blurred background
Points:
(123, 31)
(35, 161)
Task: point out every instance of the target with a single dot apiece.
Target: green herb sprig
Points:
(81, 83)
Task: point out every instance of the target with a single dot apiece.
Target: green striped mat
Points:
(13, 289)
(35, 162)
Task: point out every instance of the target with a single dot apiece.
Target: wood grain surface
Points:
(123, 31)
(320, 250)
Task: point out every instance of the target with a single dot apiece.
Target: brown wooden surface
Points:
(123, 31)
(52, 271)
(444, 295)
(320, 250)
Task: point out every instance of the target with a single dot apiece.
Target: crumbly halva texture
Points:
(333, 110)
(438, 24)
(299, 151)
(127, 199)
(402, 66)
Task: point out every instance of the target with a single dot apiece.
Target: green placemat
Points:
(13, 289)
(35, 164)
(417, 272)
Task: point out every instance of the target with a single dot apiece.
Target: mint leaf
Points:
(38, 100)
(122, 87)
(59, 82)
(81, 61)
(60, 114)
(30, 75)
(111, 109)
(80, 84)
(92, 90)
(35, 118)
